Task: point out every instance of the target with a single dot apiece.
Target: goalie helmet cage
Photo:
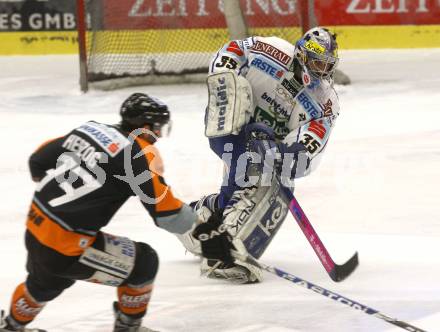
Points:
(141, 42)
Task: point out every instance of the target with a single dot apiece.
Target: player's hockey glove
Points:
(214, 239)
(280, 156)
(284, 158)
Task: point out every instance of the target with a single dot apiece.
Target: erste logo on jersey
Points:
(108, 138)
(309, 105)
(267, 68)
(272, 52)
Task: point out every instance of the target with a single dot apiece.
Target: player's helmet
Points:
(140, 109)
(317, 52)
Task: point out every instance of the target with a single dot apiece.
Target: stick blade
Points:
(340, 272)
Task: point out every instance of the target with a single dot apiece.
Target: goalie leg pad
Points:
(255, 215)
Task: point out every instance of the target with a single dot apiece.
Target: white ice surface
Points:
(377, 191)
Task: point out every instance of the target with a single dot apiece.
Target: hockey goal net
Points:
(136, 42)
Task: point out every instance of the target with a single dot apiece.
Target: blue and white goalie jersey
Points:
(300, 110)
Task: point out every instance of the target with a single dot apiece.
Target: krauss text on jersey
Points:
(99, 135)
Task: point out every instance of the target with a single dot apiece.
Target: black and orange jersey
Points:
(87, 175)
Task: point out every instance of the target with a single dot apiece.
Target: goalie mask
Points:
(317, 52)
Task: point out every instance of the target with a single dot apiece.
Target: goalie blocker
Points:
(229, 106)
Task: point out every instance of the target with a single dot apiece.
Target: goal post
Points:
(82, 52)
(235, 21)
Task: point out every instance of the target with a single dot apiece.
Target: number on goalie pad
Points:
(114, 263)
(256, 215)
(229, 106)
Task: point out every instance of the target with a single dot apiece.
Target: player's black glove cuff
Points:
(214, 239)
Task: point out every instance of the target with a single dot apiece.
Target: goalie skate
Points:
(234, 273)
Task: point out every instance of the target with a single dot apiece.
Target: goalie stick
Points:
(322, 291)
(261, 131)
(336, 272)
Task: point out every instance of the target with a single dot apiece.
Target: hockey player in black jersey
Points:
(83, 179)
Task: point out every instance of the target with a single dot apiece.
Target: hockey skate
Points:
(9, 325)
(234, 272)
(124, 323)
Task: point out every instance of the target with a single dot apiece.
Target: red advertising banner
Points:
(192, 14)
(377, 12)
(59, 15)
(189, 14)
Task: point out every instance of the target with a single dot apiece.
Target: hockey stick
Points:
(322, 291)
(336, 272)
